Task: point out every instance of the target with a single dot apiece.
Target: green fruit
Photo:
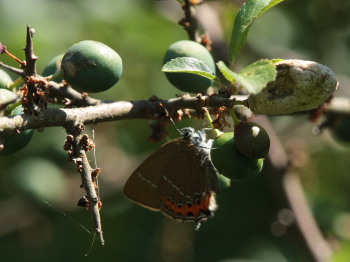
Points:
(251, 140)
(230, 162)
(189, 82)
(6, 96)
(340, 130)
(224, 182)
(5, 79)
(16, 142)
(53, 67)
(90, 66)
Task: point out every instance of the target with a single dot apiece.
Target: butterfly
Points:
(178, 179)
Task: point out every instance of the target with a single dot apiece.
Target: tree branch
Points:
(142, 109)
(15, 70)
(121, 110)
(189, 22)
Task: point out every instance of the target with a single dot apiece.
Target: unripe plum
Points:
(53, 67)
(16, 142)
(5, 79)
(230, 162)
(6, 96)
(184, 81)
(91, 66)
(251, 140)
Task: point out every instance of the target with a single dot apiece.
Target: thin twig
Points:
(190, 22)
(15, 70)
(65, 91)
(319, 248)
(85, 171)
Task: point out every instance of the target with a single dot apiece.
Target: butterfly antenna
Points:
(69, 217)
(172, 121)
(92, 244)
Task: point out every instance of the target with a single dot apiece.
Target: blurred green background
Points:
(140, 31)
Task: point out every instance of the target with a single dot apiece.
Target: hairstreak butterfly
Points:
(178, 179)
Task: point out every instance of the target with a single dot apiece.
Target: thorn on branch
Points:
(31, 58)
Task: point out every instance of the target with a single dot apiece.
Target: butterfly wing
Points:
(178, 179)
(142, 186)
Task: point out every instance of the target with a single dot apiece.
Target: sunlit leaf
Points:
(248, 13)
(258, 75)
(188, 65)
(254, 77)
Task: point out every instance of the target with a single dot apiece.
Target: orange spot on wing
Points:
(186, 211)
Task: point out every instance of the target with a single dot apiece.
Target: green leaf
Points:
(233, 77)
(259, 74)
(248, 13)
(226, 72)
(188, 65)
(254, 77)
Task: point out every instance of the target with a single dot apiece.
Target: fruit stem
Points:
(12, 107)
(236, 121)
(210, 121)
(58, 74)
(219, 82)
(15, 83)
(5, 51)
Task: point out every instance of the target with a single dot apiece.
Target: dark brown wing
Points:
(177, 179)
